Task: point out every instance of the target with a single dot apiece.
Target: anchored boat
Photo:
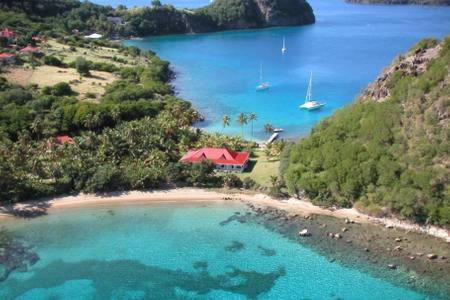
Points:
(309, 103)
(263, 85)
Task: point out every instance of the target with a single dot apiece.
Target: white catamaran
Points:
(263, 85)
(284, 49)
(309, 103)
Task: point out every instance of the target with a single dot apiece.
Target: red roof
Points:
(7, 55)
(216, 155)
(63, 139)
(29, 49)
(7, 33)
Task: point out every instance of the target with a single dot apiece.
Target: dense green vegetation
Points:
(54, 17)
(389, 156)
(130, 138)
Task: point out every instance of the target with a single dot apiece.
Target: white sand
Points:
(292, 205)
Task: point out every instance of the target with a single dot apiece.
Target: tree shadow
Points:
(250, 166)
(25, 210)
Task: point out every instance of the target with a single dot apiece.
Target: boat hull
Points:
(310, 108)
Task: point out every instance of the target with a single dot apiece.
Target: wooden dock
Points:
(272, 138)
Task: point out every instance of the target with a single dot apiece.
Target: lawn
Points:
(49, 76)
(95, 54)
(260, 169)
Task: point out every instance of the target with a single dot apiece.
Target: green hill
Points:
(389, 151)
(58, 16)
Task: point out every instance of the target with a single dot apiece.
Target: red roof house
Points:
(30, 49)
(222, 158)
(63, 139)
(7, 33)
(7, 57)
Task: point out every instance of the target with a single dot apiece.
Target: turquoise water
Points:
(177, 251)
(346, 49)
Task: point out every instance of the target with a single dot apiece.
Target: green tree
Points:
(268, 128)
(226, 121)
(242, 120)
(252, 117)
(82, 66)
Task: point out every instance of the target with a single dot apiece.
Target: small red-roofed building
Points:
(63, 139)
(10, 34)
(8, 37)
(223, 159)
(30, 49)
(7, 58)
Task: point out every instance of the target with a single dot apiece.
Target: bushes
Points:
(62, 89)
(381, 157)
(53, 61)
(231, 181)
(82, 66)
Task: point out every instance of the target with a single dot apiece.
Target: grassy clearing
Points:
(261, 168)
(96, 54)
(49, 76)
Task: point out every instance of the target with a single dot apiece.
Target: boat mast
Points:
(261, 73)
(309, 92)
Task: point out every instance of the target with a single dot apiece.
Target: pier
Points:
(273, 137)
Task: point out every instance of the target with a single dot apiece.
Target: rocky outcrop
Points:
(220, 15)
(412, 64)
(402, 2)
(242, 14)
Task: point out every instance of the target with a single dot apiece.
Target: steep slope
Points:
(402, 2)
(389, 151)
(156, 19)
(234, 14)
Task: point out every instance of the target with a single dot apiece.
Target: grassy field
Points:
(49, 76)
(98, 54)
(260, 169)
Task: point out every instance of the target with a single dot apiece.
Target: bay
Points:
(346, 49)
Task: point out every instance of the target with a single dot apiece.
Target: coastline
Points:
(179, 195)
(388, 249)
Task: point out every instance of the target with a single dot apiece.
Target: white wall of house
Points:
(231, 168)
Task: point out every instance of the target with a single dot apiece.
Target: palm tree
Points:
(252, 117)
(226, 121)
(242, 120)
(268, 128)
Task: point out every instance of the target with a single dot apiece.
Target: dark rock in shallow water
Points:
(235, 246)
(16, 256)
(266, 251)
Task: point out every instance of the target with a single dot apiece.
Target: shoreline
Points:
(193, 195)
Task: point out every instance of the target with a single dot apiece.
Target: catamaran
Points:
(284, 49)
(263, 85)
(309, 103)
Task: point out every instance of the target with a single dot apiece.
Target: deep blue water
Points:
(177, 251)
(346, 49)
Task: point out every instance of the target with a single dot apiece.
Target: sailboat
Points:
(263, 85)
(284, 49)
(309, 103)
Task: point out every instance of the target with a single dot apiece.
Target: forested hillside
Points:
(389, 151)
(59, 16)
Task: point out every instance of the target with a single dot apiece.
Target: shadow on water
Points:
(108, 277)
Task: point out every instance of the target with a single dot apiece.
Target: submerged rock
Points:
(392, 266)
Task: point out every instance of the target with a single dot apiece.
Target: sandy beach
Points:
(293, 206)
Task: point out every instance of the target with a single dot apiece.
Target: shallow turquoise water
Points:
(168, 251)
(346, 49)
